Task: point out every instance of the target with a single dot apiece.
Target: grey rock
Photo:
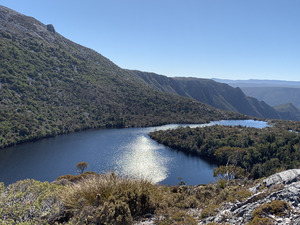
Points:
(285, 177)
(241, 212)
(50, 28)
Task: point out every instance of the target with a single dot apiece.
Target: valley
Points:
(233, 158)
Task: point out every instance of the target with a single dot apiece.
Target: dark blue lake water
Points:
(128, 152)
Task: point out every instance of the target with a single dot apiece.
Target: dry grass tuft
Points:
(111, 198)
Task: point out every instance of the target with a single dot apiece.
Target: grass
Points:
(111, 198)
(92, 198)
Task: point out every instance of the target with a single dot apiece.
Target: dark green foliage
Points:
(229, 172)
(260, 152)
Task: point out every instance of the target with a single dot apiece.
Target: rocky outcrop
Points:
(283, 187)
(285, 177)
(50, 28)
(14, 25)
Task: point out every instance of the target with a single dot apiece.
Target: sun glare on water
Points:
(142, 159)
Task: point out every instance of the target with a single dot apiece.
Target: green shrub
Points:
(261, 221)
(210, 210)
(276, 207)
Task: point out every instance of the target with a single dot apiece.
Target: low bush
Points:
(276, 207)
(76, 178)
(175, 216)
(111, 197)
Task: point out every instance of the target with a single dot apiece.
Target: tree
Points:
(81, 166)
(229, 172)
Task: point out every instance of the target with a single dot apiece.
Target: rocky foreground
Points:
(274, 201)
(107, 199)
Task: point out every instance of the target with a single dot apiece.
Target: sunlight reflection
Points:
(142, 160)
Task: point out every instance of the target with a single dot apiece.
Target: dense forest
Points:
(260, 152)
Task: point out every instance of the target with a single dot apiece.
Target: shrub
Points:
(114, 197)
(175, 216)
(210, 210)
(77, 178)
(276, 207)
(261, 221)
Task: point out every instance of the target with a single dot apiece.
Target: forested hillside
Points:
(50, 85)
(259, 152)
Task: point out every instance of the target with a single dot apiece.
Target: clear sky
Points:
(228, 39)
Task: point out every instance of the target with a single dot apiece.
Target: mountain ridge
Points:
(219, 95)
(51, 85)
(259, 83)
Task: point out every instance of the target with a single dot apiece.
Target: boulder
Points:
(50, 28)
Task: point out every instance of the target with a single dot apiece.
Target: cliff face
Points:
(219, 95)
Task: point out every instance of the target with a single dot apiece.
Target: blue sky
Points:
(229, 39)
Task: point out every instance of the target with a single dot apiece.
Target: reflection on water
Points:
(141, 159)
(129, 152)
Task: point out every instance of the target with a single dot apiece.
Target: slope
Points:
(216, 94)
(289, 111)
(275, 95)
(50, 85)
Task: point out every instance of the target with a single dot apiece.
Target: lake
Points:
(127, 151)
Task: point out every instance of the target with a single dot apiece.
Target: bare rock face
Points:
(50, 28)
(282, 186)
(285, 177)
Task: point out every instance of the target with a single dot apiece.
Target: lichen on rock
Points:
(30, 201)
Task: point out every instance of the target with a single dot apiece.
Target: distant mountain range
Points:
(219, 95)
(282, 95)
(275, 96)
(259, 83)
